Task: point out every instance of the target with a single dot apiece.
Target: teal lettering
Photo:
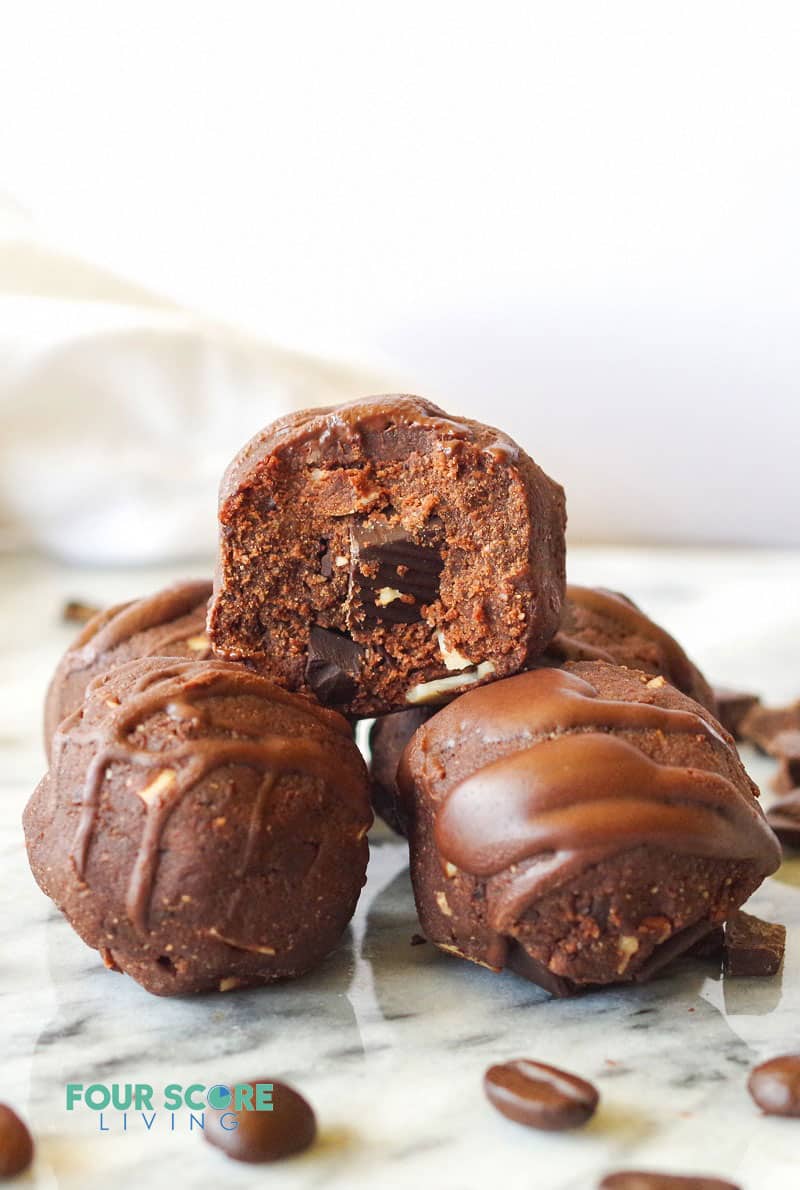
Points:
(97, 1097)
(190, 1098)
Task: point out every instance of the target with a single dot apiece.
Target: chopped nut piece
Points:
(165, 782)
(441, 901)
(433, 691)
(656, 683)
(387, 595)
(627, 947)
(451, 657)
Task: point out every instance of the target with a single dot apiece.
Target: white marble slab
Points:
(389, 1040)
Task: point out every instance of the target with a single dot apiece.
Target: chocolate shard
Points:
(784, 818)
(76, 611)
(733, 706)
(753, 946)
(710, 946)
(530, 968)
(764, 726)
(786, 746)
(391, 574)
(333, 665)
(673, 948)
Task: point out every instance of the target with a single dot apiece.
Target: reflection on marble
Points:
(390, 1040)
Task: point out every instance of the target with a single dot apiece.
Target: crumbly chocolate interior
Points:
(382, 548)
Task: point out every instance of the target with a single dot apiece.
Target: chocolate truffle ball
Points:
(200, 827)
(602, 625)
(385, 555)
(579, 825)
(388, 737)
(171, 623)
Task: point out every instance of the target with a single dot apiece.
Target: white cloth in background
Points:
(120, 411)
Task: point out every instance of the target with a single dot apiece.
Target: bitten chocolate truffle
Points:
(201, 827)
(580, 825)
(171, 623)
(384, 555)
(602, 625)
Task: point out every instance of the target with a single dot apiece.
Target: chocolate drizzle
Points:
(118, 624)
(182, 689)
(561, 790)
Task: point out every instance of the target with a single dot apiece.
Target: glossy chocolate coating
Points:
(264, 1136)
(596, 624)
(201, 827)
(171, 623)
(602, 625)
(540, 1096)
(518, 789)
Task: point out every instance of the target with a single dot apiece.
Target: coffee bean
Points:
(16, 1144)
(540, 1096)
(631, 1179)
(775, 1086)
(256, 1136)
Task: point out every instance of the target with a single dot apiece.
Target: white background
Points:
(577, 220)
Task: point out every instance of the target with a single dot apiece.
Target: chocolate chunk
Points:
(75, 611)
(260, 1136)
(784, 818)
(418, 940)
(392, 575)
(753, 946)
(763, 726)
(710, 946)
(775, 1085)
(540, 1096)
(634, 1179)
(732, 706)
(537, 972)
(786, 747)
(16, 1144)
(333, 665)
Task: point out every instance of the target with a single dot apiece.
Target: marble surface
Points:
(390, 1040)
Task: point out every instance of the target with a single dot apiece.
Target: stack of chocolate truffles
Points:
(573, 808)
